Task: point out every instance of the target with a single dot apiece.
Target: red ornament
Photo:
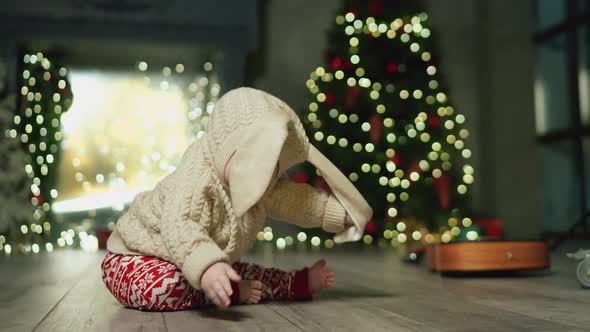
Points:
(442, 187)
(352, 96)
(371, 228)
(347, 65)
(39, 198)
(376, 8)
(300, 177)
(397, 159)
(376, 128)
(391, 67)
(336, 63)
(492, 227)
(414, 167)
(434, 121)
(355, 11)
(330, 99)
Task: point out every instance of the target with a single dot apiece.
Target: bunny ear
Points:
(350, 198)
(255, 160)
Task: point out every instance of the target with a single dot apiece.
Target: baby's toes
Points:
(328, 281)
(255, 297)
(327, 274)
(256, 285)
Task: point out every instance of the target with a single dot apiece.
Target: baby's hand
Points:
(216, 283)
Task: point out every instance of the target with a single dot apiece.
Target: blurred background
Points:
(460, 120)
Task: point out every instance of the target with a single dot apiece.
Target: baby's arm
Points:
(191, 248)
(305, 206)
(202, 262)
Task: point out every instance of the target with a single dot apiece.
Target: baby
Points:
(179, 245)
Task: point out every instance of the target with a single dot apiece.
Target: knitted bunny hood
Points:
(260, 130)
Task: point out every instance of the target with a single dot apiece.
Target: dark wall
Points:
(512, 157)
(293, 40)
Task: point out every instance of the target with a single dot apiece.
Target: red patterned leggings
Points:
(152, 284)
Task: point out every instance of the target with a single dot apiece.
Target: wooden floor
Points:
(374, 291)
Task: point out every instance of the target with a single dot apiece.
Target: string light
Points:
(349, 17)
(36, 120)
(315, 241)
(402, 238)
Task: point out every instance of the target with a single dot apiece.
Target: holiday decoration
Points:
(15, 185)
(31, 154)
(45, 97)
(379, 109)
(491, 229)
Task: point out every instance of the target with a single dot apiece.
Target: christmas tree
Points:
(15, 207)
(379, 109)
(31, 151)
(46, 95)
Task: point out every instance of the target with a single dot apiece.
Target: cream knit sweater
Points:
(193, 219)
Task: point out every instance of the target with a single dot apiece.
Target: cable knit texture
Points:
(193, 219)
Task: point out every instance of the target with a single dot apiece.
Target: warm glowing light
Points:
(472, 235)
(401, 226)
(315, 241)
(135, 124)
(301, 236)
(467, 222)
(392, 212)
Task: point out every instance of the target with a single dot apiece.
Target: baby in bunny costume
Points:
(179, 245)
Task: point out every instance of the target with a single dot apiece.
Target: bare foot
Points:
(320, 276)
(250, 291)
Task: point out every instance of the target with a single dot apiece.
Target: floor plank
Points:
(90, 307)
(451, 300)
(30, 286)
(374, 290)
(338, 315)
(238, 318)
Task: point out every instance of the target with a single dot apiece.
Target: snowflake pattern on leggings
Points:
(152, 284)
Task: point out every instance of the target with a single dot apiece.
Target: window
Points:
(562, 109)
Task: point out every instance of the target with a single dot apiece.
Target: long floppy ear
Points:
(255, 160)
(351, 199)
